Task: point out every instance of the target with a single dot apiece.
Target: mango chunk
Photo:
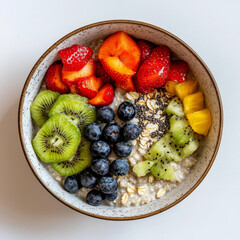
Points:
(186, 88)
(170, 87)
(193, 102)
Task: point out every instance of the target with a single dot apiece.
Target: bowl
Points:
(206, 153)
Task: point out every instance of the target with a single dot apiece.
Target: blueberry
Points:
(94, 197)
(108, 185)
(111, 133)
(88, 178)
(122, 149)
(100, 149)
(71, 184)
(119, 167)
(105, 114)
(130, 131)
(92, 132)
(126, 111)
(100, 166)
(110, 197)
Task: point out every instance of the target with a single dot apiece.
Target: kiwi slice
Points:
(41, 106)
(163, 170)
(75, 108)
(142, 168)
(57, 140)
(175, 107)
(78, 163)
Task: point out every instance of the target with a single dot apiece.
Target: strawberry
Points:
(145, 47)
(154, 69)
(177, 71)
(143, 90)
(104, 97)
(70, 77)
(73, 89)
(88, 87)
(74, 58)
(100, 72)
(54, 79)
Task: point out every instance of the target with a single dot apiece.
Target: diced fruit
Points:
(75, 108)
(100, 149)
(74, 58)
(111, 133)
(122, 46)
(41, 106)
(193, 102)
(126, 111)
(100, 72)
(70, 77)
(180, 130)
(100, 166)
(163, 170)
(190, 147)
(71, 184)
(105, 114)
(175, 107)
(108, 185)
(81, 160)
(105, 96)
(119, 167)
(177, 71)
(130, 131)
(153, 71)
(170, 87)
(121, 75)
(200, 121)
(145, 47)
(54, 79)
(57, 140)
(186, 88)
(73, 89)
(92, 131)
(122, 149)
(142, 168)
(88, 87)
(94, 198)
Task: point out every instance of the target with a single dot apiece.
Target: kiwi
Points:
(142, 168)
(75, 108)
(41, 106)
(190, 147)
(57, 140)
(175, 107)
(163, 170)
(81, 160)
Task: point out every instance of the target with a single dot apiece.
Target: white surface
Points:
(28, 28)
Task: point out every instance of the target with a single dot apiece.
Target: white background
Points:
(28, 28)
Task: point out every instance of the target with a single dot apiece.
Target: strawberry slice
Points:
(140, 89)
(119, 72)
(74, 58)
(88, 87)
(70, 77)
(146, 48)
(153, 71)
(54, 79)
(104, 97)
(177, 71)
(73, 89)
(100, 72)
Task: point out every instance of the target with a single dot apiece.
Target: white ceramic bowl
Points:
(85, 36)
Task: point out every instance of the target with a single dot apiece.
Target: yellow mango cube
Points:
(186, 88)
(170, 87)
(200, 121)
(193, 102)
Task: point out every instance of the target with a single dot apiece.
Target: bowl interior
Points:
(206, 153)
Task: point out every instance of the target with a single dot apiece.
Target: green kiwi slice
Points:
(78, 163)
(41, 106)
(57, 140)
(75, 108)
(163, 170)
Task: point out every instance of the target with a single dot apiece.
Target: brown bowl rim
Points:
(117, 22)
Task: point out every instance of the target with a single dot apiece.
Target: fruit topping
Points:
(142, 168)
(122, 149)
(100, 149)
(74, 58)
(71, 184)
(163, 170)
(105, 96)
(100, 72)
(185, 88)
(193, 102)
(88, 178)
(108, 185)
(126, 111)
(57, 140)
(170, 87)
(130, 131)
(100, 166)
(41, 105)
(175, 107)
(111, 133)
(177, 71)
(110, 197)
(54, 79)
(92, 131)
(105, 114)
(200, 121)
(119, 167)
(94, 198)
(145, 48)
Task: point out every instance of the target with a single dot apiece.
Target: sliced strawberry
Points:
(70, 77)
(74, 58)
(177, 71)
(54, 79)
(122, 46)
(73, 89)
(145, 47)
(119, 72)
(104, 97)
(88, 87)
(153, 71)
(143, 90)
(100, 72)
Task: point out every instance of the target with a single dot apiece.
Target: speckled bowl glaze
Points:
(206, 153)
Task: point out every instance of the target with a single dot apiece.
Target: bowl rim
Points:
(20, 111)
